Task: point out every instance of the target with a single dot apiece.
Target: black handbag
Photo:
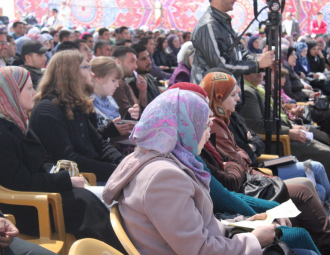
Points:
(276, 248)
(259, 186)
(307, 115)
(321, 103)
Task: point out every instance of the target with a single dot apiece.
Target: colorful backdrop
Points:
(180, 14)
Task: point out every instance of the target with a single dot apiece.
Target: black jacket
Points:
(75, 140)
(212, 37)
(293, 86)
(161, 58)
(35, 74)
(25, 166)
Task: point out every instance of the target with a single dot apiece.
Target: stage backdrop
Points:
(179, 14)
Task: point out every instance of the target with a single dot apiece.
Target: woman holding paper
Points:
(175, 208)
(223, 95)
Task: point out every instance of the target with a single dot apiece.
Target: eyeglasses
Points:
(88, 67)
(2, 43)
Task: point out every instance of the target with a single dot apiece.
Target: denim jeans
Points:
(297, 170)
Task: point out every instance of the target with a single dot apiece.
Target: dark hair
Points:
(121, 51)
(17, 23)
(100, 44)
(122, 42)
(159, 42)
(86, 36)
(149, 33)
(64, 34)
(138, 48)
(9, 37)
(78, 41)
(185, 34)
(217, 70)
(67, 46)
(53, 32)
(102, 31)
(121, 30)
(145, 40)
(55, 10)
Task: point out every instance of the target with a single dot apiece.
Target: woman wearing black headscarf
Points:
(173, 48)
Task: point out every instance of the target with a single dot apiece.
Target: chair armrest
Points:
(266, 171)
(39, 201)
(264, 157)
(11, 218)
(55, 199)
(284, 139)
(91, 178)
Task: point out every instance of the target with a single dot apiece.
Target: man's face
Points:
(3, 46)
(72, 37)
(256, 78)
(128, 64)
(151, 46)
(226, 5)
(188, 38)
(125, 34)
(54, 14)
(106, 51)
(106, 36)
(11, 48)
(76, 35)
(19, 29)
(37, 60)
(143, 62)
(90, 42)
(84, 49)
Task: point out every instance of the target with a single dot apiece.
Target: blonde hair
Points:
(63, 81)
(106, 66)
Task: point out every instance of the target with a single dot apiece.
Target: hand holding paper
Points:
(285, 210)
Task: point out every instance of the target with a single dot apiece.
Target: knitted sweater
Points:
(75, 139)
(232, 202)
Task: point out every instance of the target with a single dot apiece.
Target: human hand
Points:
(283, 222)
(316, 76)
(134, 111)
(141, 84)
(78, 182)
(315, 94)
(123, 129)
(9, 231)
(306, 86)
(297, 135)
(298, 111)
(266, 59)
(300, 127)
(265, 235)
(164, 67)
(302, 75)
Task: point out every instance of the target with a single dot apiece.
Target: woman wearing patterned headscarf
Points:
(171, 132)
(302, 63)
(26, 167)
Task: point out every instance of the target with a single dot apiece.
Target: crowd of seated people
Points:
(72, 94)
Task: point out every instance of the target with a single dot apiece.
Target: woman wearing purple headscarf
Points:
(254, 45)
(173, 48)
(163, 191)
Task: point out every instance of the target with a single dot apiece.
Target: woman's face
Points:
(176, 43)
(256, 44)
(106, 86)
(165, 44)
(46, 44)
(320, 44)
(206, 135)
(86, 72)
(313, 51)
(304, 52)
(56, 37)
(292, 59)
(232, 99)
(26, 97)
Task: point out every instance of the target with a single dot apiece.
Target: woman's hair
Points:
(284, 72)
(62, 80)
(159, 42)
(106, 66)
